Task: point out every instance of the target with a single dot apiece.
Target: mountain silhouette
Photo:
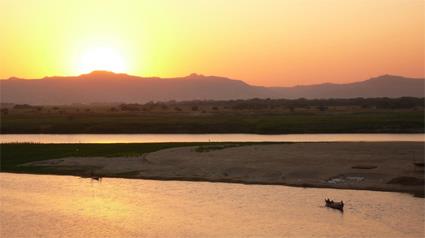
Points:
(108, 87)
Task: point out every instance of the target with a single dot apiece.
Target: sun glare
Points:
(101, 58)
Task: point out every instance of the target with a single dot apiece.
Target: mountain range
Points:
(108, 87)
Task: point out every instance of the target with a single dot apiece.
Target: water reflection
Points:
(145, 138)
(52, 206)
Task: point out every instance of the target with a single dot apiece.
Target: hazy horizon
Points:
(109, 87)
(203, 75)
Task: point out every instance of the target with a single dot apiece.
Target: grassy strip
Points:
(262, 123)
(207, 148)
(14, 154)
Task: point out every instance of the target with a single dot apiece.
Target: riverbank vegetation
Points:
(14, 154)
(263, 116)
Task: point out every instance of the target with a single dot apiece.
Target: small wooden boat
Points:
(334, 205)
(93, 176)
(97, 178)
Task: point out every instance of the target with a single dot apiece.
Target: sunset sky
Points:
(263, 42)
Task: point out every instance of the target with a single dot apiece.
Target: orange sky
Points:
(263, 42)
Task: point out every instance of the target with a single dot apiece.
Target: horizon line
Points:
(106, 72)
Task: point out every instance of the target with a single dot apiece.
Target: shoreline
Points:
(376, 166)
(180, 179)
(420, 131)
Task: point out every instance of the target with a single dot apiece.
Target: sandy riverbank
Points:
(384, 166)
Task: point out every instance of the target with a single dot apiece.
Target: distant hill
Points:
(108, 87)
(383, 86)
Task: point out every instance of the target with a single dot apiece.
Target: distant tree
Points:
(195, 108)
(322, 108)
(4, 111)
(178, 109)
(22, 106)
(130, 107)
(215, 108)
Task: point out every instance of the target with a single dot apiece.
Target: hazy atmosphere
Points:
(267, 43)
(212, 118)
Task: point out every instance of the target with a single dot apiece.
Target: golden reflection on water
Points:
(66, 206)
(100, 208)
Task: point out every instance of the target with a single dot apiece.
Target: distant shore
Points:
(254, 116)
(213, 122)
(379, 166)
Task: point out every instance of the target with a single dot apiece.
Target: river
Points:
(147, 138)
(67, 206)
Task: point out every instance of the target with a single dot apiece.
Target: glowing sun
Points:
(101, 58)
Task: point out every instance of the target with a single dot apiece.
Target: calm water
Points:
(66, 206)
(144, 138)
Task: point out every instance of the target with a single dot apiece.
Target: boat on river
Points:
(92, 176)
(335, 205)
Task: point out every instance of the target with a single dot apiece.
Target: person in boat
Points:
(327, 200)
